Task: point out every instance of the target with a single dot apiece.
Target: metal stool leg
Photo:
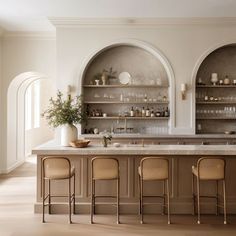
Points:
(94, 197)
(49, 196)
(118, 201)
(139, 187)
(141, 193)
(224, 193)
(198, 201)
(92, 202)
(43, 195)
(193, 196)
(168, 199)
(164, 199)
(69, 198)
(74, 196)
(217, 199)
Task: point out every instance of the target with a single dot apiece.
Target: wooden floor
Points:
(17, 195)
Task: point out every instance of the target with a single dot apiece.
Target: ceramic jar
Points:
(68, 134)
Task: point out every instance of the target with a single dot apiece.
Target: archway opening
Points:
(27, 96)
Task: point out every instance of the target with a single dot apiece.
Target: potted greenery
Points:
(65, 113)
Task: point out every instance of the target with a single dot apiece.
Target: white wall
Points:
(182, 44)
(43, 133)
(23, 53)
(1, 125)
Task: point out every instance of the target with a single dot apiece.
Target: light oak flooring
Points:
(17, 196)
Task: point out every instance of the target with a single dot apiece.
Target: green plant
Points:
(105, 138)
(97, 76)
(64, 111)
(110, 73)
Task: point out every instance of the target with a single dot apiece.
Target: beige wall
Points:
(1, 97)
(24, 53)
(182, 44)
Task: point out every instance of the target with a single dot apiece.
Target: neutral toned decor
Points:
(154, 169)
(57, 168)
(104, 169)
(209, 169)
(65, 113)
(80, 143)
(181, 158)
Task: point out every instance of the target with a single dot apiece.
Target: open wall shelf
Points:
(109, 104)
(216, 103)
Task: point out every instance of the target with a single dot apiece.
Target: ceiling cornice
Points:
(80, 22)
(44, 35)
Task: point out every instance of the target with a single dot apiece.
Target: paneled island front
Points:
(181, 159)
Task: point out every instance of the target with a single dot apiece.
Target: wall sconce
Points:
(183, 91)
(68, 89)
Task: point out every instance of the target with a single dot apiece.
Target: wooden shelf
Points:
(118, 102)
(215, 103)
(216, 86)
(126, 86)
(126, 117)
(216, 118)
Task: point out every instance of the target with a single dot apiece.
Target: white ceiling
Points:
(32, 15)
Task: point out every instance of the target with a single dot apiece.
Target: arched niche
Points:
(136, 57)
(212, 100)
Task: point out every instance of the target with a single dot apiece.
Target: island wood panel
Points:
(180, 186)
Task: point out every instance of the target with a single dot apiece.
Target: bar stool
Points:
(154, 168)
(209, 169)
(104, 168)
(57, 168)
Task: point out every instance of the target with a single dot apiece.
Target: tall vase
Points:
(104, 78)
(68, 134)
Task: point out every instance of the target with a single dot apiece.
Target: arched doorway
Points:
(16, 116)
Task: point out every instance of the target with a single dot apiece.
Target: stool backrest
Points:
(105, 168)
(211, 168)
(154, 168)
(56, 167)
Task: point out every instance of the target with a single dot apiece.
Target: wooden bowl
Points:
(80, 143)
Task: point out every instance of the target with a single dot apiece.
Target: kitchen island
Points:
(181, 157)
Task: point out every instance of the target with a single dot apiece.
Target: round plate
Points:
(124, 77)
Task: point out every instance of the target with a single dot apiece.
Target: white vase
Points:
(68, 134)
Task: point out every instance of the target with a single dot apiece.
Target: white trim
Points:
(149, 48)
(44, 35)
(194, 77)
(76, 21)
(12, 167)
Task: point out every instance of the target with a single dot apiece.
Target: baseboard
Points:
(12, 167)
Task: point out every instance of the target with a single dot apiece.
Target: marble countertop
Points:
(51, 148)
(170, 136)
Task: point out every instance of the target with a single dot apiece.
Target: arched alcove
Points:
(16, 117)
(213, 101)
(140, 60)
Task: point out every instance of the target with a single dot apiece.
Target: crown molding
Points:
(139, 22)
(43, 35)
